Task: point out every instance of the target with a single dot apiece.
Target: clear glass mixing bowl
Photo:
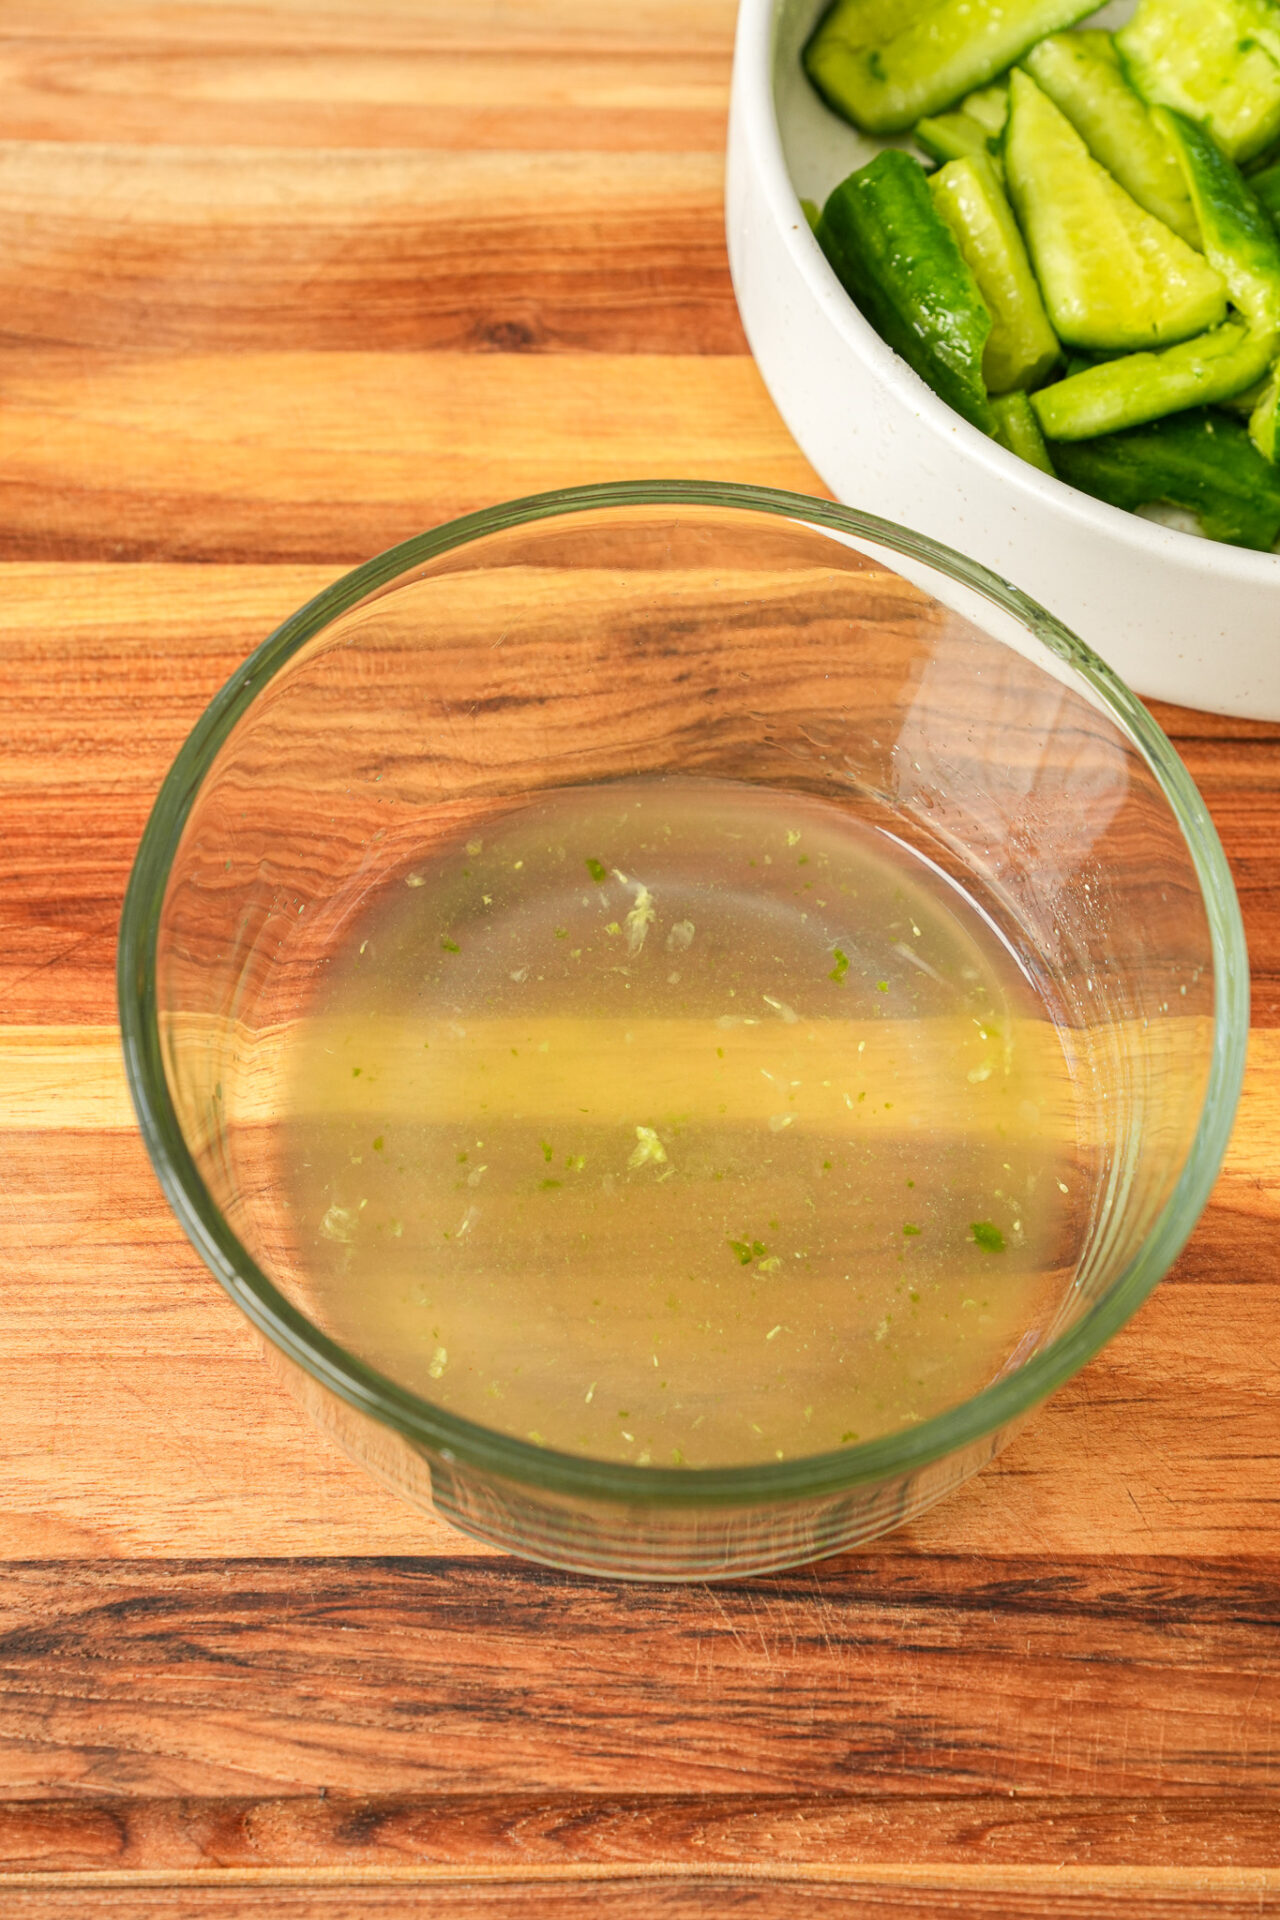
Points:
(705, 630)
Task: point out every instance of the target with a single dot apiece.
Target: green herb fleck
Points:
(562, 933)
(613, 928)
(845, 1437)
(742, 1248)
(841, 966)
(379, 1144)
(548, 1184)
(450, 946)
(882, 986)
(546, 1150)
(987, 1236)
(355, 1073)
(599, 873)
(909, 1232)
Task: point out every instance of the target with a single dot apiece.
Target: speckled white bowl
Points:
(1180, 618)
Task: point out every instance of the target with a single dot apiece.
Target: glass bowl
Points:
(715, 633)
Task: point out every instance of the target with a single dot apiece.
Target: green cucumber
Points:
(1081, 74)
(1022, 348)
(950, 136)
(1239, 238)
(990, 106)
(1112, 276)
(1264, 419)
(884, 84)
(1216, 60)
(812, 213)
(1201, 461)
(1018, 429)
(1265, 188)
(895, 254)
(1143, 386)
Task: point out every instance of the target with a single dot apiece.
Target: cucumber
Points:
(950, 136)
(990, 106)
(1143, 386)
(1264, 420)
(1216, 60)
(885, 84)
(1018, 429)
(812, 214)
(1112, 276)
(1201, 461)
(1265, 188)
(1081, 74)
(1239, 238)
(1022, 348)
(895, 254)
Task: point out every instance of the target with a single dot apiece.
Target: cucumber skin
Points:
(1239, 237)
(1141, 387)
(1265, 188)
(898, 259)
(1146, 62)
(1022, 349)
(1201, 461)
(1081, 74)
(954, 47)
(1018, 429)
(1264, 421)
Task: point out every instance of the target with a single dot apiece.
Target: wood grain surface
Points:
(282, 281)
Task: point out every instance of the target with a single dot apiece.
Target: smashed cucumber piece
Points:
(898, 258)
(1265, 187)
(1239, 238)
(1144, 386)
(1202, 462)
(1216, 60)
(1081, 74)
(1018, 429)
(1264, 419)
(946, 48)
(1022, 348)
(989, 106)
(1112, 275)
(953, 135)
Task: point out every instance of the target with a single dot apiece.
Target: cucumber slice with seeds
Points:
(1140, 387)
(1112, 276)
(1202, 462)
(1022, 349)
(898, 258)
(1216, 60)
(949, 48)
(1081, 74)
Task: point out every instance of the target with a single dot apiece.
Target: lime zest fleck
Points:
(648, 1148)
(841, 966)
(988, 1236)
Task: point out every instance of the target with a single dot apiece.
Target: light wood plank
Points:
(331, 457)
(188, 248)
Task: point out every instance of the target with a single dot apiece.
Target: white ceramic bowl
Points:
(1180, 618)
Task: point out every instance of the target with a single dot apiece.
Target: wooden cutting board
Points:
(281, 282)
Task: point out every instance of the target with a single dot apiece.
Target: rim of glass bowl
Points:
(468, 1443)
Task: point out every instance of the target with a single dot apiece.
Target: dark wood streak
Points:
(899, 1675)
